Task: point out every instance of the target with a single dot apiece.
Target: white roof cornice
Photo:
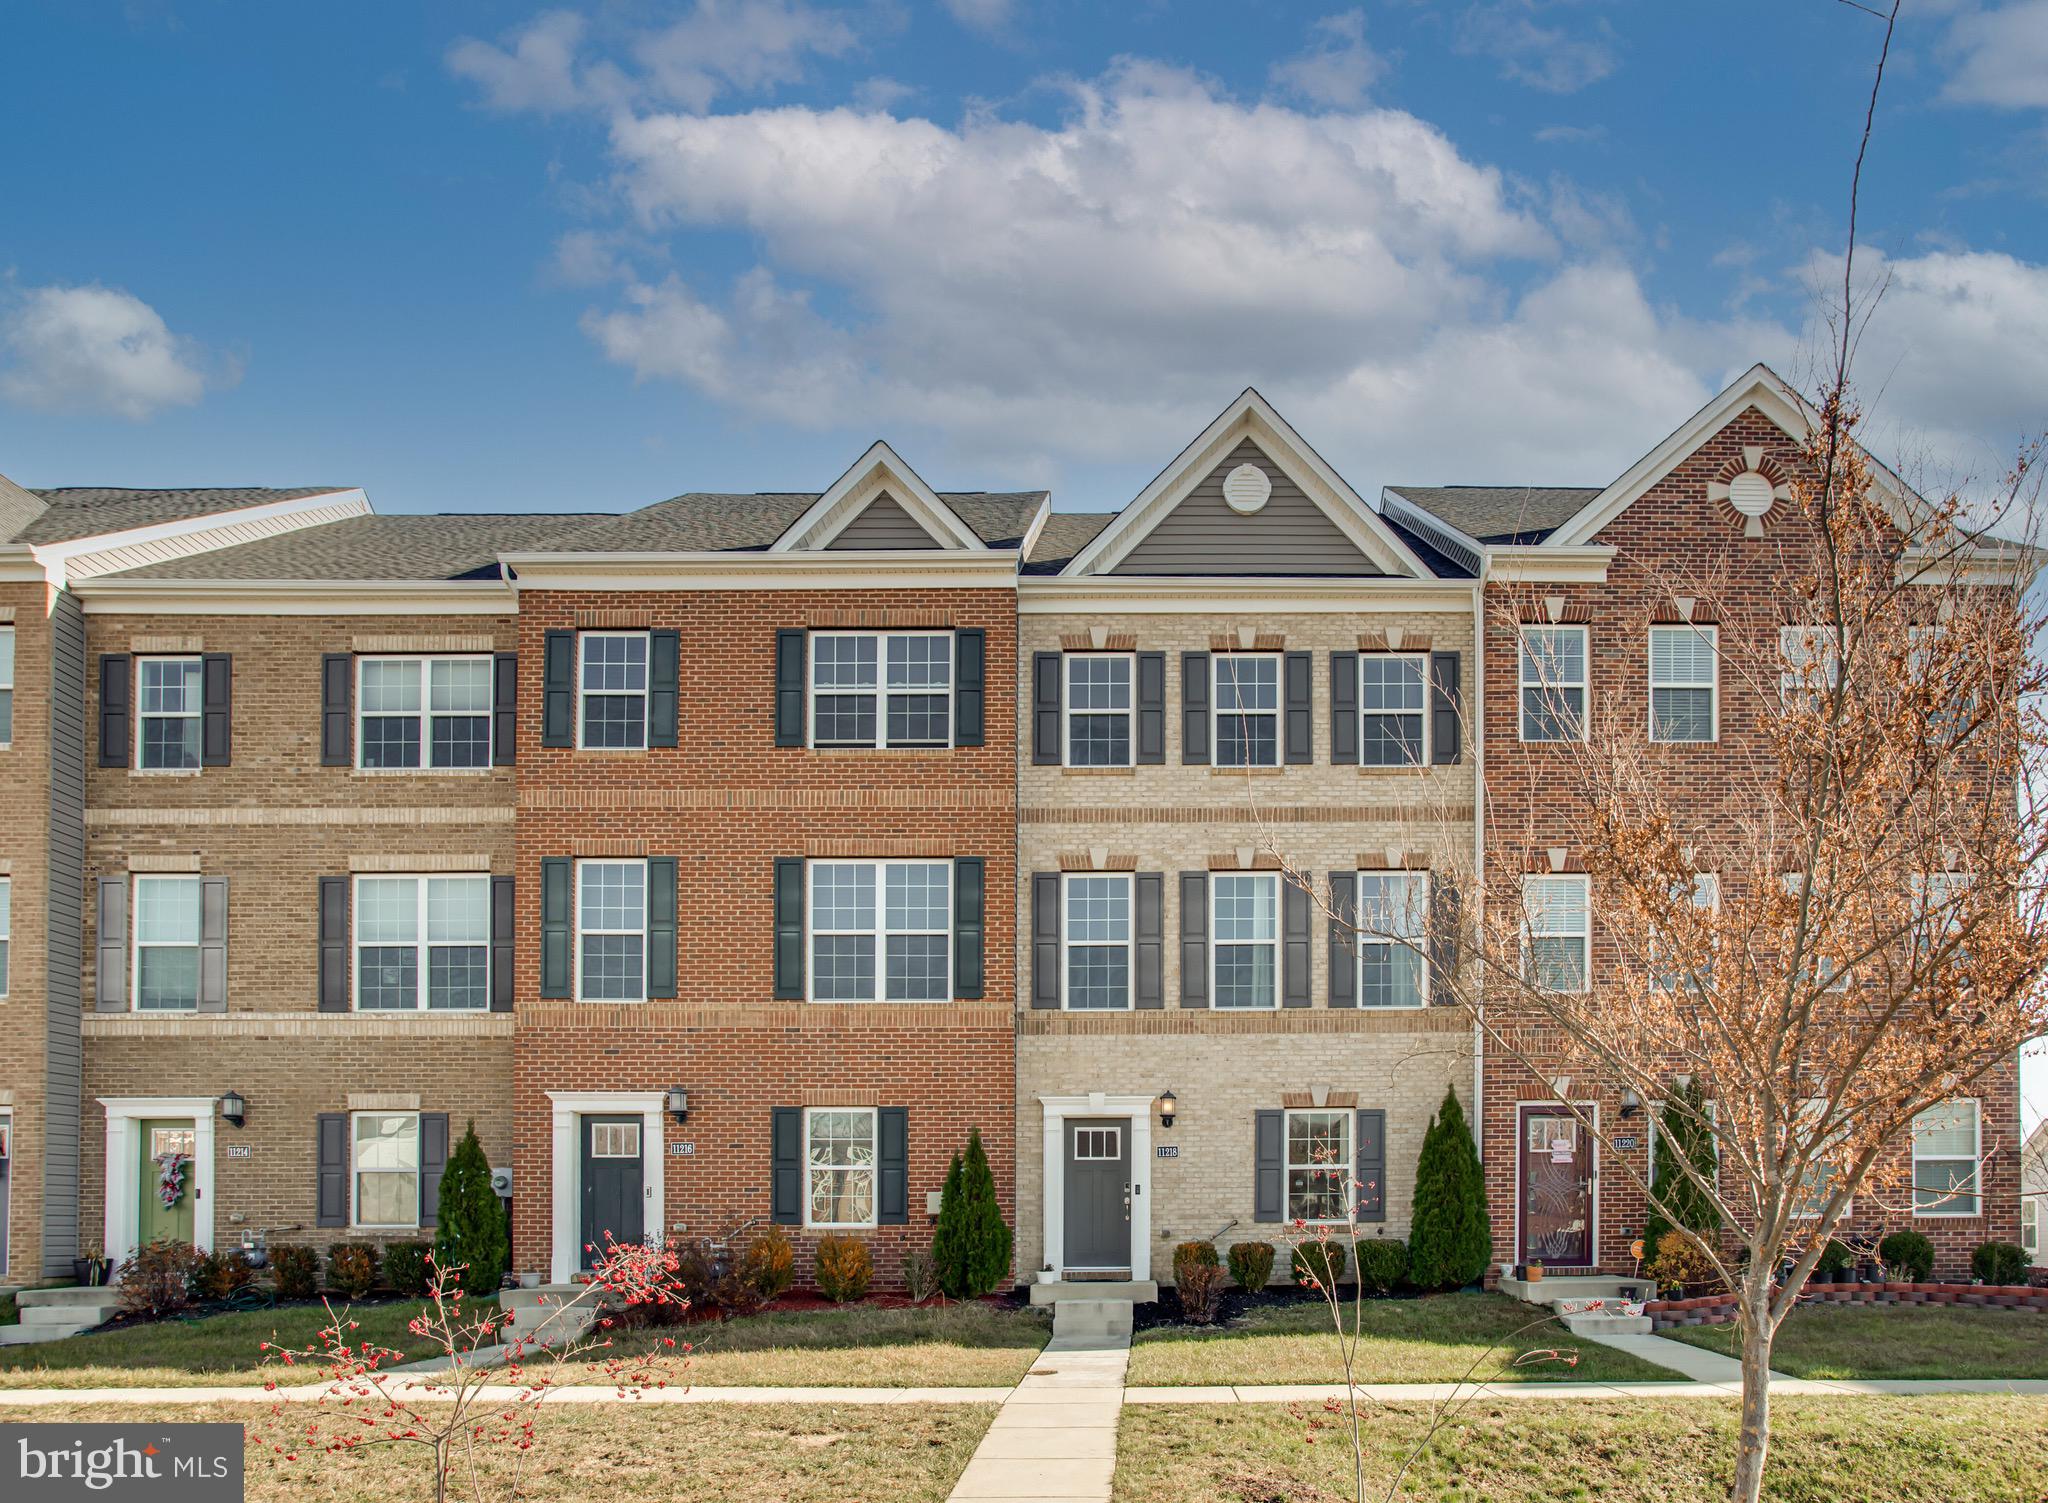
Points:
(878, 469)
(843, 569)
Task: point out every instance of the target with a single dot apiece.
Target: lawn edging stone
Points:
(1719, 1309)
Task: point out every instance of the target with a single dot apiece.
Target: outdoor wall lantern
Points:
(233, 1108)
(679, 1103)
(1631, 1103)
(1167, 1105)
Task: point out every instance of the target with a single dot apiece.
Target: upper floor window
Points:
(612, 678)
(1667, 975)
(1558, 932)
(167, 936)
(881, 931)
(1099, 709)
(386, 1155)
(1810, 1128)
(1247, 709)
(1098, 941)
(6, 928)
(423, 942)
(1247, 939)
(1393, 695)
(611, 931)
(1945, 1157)
(1393, 926)
(1319, 1168)
(424, 712)
(881, 689)
(1811, 661)
(167, 722)
(1553, 683)
(6, 684)
(1683, 679)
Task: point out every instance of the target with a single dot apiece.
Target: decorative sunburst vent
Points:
(1246, 488)
(1749, 490)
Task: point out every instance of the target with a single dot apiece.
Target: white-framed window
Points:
(1832, 976)
(2030, 1224)
(1811, 661)
(1553, 683)
(6, 930)
(1096, 914)
(1319, 1167)
(1935, 899)
(6, 685)
(1706, 898)
(423, 711)
(169, 706)
(1098, 1145)
(881, 931)
(611, 931)
(167, 927)
(1393, 939)
(881, 689)
(1947, 1149)
(1393, 701)
(1823, 1175)
(1684, 682)
(1100, 689)
(1245, 948)
(611, 685)
(1247, 708)
(386, 1177)
(423, 943)
(1557, 938)
(839, 1150)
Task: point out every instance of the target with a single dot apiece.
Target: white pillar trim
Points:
(567, 1166)
(124, 1189)
(1137, 1110)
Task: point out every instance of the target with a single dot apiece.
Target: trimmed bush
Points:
(220, 1274)
(1382, 1263)
(1251, 1264)
(159, 1279)
(769, 1264)
(1188, 1255)
(1201, 1292)
(920, 1274)
(1908, 1255)
(352, 1268)
(1999, 1263)
(470, 1232)
(1680, 1263)
(1319, 1264)
(1683, 1136)
(295, 1271)
(406, 1267)
(697, 1272)
(1450, 1235)
(972, 1243)
(1835, 1259)
(845, 1268)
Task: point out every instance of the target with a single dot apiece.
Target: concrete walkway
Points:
(1054, 1439)
(1694, 1362)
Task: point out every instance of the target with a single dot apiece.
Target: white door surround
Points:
(1138, 1111)
(569, 1107)
(1590, 1110)
(123, 1155)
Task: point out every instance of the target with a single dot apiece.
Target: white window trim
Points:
(1347, 1169)
(1818, 1105)
(2030, 1224)
(13, 644)
(1584, 936)
(1943, 1211)
(1801, 642)
(576, 928)
(646, 695)
(7, 936)
(1277, 713)
(874, 1169)
(422, 944)
(197, 715)
(1128, 946)
(1712, 636)
(881, 691)
(355, 1221)
(425, 714)
(136, 944)
(1423, 714)
(1713, 910)
(1839, 982)
(1523, 685)
(881, 931)
(1419, 943)
(1067, 711)
(1216, 944)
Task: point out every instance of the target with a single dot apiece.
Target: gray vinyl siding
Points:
(883, 523)
(64, 908)
(1289, 535)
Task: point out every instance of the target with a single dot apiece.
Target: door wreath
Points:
(170, 1177)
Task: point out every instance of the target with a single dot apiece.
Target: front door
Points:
(1557, 1189)
(166, 1181)
(612, 1184)
(1098, 1208)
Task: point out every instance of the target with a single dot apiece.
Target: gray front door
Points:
(1098, 1234)
(612, 1184)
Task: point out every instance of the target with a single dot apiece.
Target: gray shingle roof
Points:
(83, 511)
(1501, 513)
(448, 546)
(1064, 535)
(706, 522)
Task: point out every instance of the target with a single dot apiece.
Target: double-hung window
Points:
(611, 679)
(1832, 974)
(167, 932)
(2030, 1223)
(611, 931)
(1558, 932)
(881, 689)
(6, 684)
(1946, 1151)
(1810, 663)
(1247, 709)
(1392, 698)
(423, 712)
(1823, 1174)
(1706, 898)
(1553, 683)
(167, 724)
(839, 1153)
(1246, 922)
(1393, 926)
(6, 928)
(423, 942)
(1684, 663)
(1098, 941)
(387, 1169)
(881, 931)
(1319, 1169)
(1099, 709)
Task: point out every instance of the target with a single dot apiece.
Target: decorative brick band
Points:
(843, 1098)
(1306, 1100)
(594, 1020)
(609, 845)
(1234, 861)
(1272, 814)
(614, 620)
(297, 1025)
(1084, 861)
(470, 643)
(349, 814)
(1084, 641)
(1265, 641)
(1394, 639)
(882, 615)
(163, 644)
(383, 1101)
(1183, 1022)
(176, 861)
(763, 798)
(881, 846)
(381, 862)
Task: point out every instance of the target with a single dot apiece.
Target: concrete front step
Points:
(1092, 1317)
(541, 1314)
(1602, 1323)
(75, 1294)
(1549, 1290)
(1136, 1291)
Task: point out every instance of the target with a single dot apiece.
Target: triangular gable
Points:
(878, 475)
(1307, 510)
(883, 523)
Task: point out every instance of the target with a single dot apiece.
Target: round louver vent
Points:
(1246, 488)
(1750, 494)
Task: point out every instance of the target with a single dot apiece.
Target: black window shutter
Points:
(433, 1164)
(1343, 939)
(213, 944)
(116, 679)
(1194, 708)
(110, 981)
(786, 1166)
(970, 685)
(892, 1166)
(1372, 1166)
(504, 709)
(1296, 971)
(504, 924)
(337, 714)
(1344, 709)
(1047, 678)
(968, 925)
(1045, 939)
(789, 686)
(1443, 929)
(558, 690)
(334, 944)
(789, 929)
(664, 686)
(217, 697)
(1148, 930)
(1298, 671)
(661, 926)
(1444, 700)
(1269, 1166)
(1151, 748)
(557, 946)
(330, 1181)
(1194, 939)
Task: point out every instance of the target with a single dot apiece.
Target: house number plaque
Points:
(682, 1150)
(1168, 1150)
(239, 1151)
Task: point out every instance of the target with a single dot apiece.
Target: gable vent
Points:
(1246, 489)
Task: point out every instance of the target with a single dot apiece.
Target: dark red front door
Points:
(1556, 1158)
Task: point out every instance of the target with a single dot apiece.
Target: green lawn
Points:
(1904, 1341)
(1433, 1340)
(1952, 1449)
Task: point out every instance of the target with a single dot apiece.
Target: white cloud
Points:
(536, 71)
(981, 15)
(2001, 56)
(1338, 68)
(1555, 58)
(97, 349)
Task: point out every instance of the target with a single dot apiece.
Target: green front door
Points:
(156, 1220)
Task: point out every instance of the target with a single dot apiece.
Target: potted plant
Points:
(1532, 1271)
(92, 1269)
(1047, 1276)
(1834, 1264)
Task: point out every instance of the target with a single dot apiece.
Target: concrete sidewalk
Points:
(1054, 1440)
